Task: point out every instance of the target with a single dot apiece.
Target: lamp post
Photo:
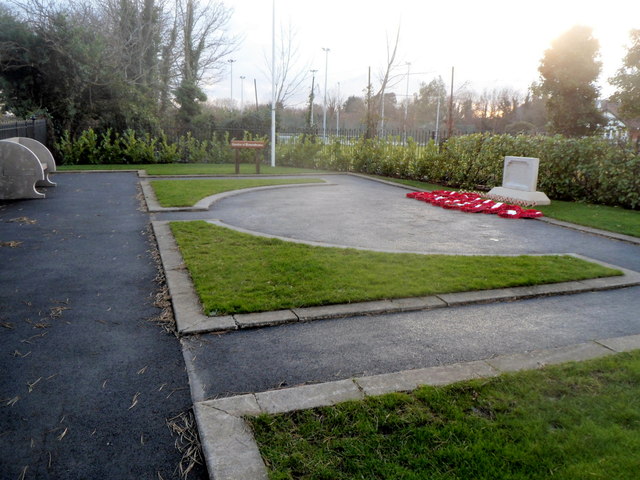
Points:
(324, 115)
(406, 108)
(231, 78)
(242, 77)
(273, 84)
(338, 112)
(313, 94)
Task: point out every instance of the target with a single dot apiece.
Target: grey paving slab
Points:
(344, 310)
(239, 405)
(228, 446)
(264, 319)
(308, 396)
(418, 303)
(541, 358)
(411, 379)
(622, 344)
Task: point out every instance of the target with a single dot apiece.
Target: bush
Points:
(589, 169)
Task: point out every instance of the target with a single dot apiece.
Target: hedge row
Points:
(588, 169)
(133, 148)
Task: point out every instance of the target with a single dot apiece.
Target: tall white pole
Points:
(406, 108)
(438, 121)
(242, 77)
(338, 112)
(273, 85)
(324, 115)
(231, 78)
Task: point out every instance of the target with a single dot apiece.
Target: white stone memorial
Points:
(519, 182)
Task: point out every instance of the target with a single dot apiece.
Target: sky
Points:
(490, 43)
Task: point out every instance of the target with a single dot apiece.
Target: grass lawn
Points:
(576, 421)
(235, 272)
(612, 219)
(194, 169)
(185, 193)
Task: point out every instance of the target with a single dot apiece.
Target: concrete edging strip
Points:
(230, 449)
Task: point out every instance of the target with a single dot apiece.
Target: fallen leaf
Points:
(11, 244)
(23, 220)
(134, 402)
(33, 384)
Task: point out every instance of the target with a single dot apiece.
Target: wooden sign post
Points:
(250, 144)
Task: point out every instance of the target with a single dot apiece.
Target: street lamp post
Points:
(324, 115)
(338, 112)
(313, 94)
(406, 107)
(242, 77)
(231, 78)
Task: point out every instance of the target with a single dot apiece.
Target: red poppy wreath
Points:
(473, 203)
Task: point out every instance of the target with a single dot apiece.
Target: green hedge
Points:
(590, 169)
(134, 148)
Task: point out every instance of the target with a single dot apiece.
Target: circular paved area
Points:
(357, 212)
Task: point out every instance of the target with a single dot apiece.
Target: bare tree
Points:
(387, 79)
(289, 73)
(204, 45)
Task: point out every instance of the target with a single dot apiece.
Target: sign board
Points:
(254, 145)
(247, 144)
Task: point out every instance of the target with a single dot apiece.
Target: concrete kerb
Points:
(230, 449)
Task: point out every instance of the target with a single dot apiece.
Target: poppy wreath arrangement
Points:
(474, 203)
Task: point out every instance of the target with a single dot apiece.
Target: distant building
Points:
(619, 129)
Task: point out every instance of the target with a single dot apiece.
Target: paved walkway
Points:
(87, 382)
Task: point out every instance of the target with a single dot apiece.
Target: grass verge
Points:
(193, 169)
(612, 219)
(184, 193)
(574, 421)
(235, 272)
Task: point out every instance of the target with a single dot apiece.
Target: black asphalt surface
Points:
(88, 381)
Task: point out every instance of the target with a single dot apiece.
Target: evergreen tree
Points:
(569, 71)
(627, 80)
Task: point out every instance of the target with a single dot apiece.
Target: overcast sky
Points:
(491, 43)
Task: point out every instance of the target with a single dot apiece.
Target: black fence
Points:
(34, 128)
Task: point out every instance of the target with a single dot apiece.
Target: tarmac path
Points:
(88, 382)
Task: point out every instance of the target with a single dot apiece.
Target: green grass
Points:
(571, 422)
(236, 273)
(612, 219)
(193, 169)
(184, 193)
